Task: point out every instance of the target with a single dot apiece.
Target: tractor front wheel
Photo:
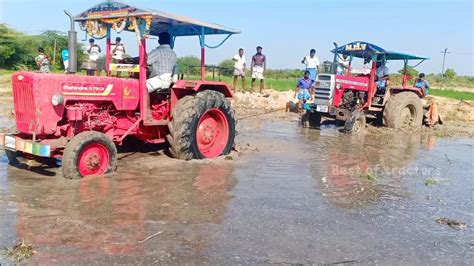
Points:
(311, 119)
(203, 126)
(403, 110)
(355, 123)
(89, 153)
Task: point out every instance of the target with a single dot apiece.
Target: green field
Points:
(453, 94)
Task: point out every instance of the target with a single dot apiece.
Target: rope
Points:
(269, 112)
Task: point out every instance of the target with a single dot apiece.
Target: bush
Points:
(450, 73)
(411, 71)
(227, 67)
(189, 65)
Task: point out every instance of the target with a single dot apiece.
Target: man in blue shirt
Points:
(422, 84)
(65, 57)
(304, 90)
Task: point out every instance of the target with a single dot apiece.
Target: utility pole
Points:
(54, 53)
(444, 59)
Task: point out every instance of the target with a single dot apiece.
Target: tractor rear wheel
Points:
(203, 126)
(89, 153)
(403, 110)
(355, 123)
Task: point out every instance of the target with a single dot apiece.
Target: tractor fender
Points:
(183, 88)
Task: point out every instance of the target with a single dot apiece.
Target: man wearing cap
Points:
(258, 67)
(312, 64)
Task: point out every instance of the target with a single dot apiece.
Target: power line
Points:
(444, 59)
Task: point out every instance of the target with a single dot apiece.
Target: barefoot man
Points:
(239, 68)
(258, 67)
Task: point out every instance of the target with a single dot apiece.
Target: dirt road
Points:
(288, 195)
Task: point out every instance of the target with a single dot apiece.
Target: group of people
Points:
(258, 67)
(164, 62)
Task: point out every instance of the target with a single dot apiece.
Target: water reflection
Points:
(105, 216)
(355, 170)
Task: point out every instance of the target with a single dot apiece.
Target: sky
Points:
(288, 29)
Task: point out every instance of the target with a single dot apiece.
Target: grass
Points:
(6, 72)
(369, 175)
(453, 94)
(431, 182)
(19, 252)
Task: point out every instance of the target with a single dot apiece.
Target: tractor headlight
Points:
(338, 86)
(57, 99)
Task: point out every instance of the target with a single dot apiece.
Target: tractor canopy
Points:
(121, 16)
(367, 50)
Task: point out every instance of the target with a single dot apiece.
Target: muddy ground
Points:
(287, 195)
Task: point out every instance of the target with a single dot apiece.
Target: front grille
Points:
(322, 94)
(24, 102)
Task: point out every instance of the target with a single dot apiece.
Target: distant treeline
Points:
(18, 50)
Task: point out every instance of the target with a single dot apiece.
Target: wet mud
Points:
(287, 195)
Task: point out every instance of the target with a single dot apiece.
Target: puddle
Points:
(302, 197)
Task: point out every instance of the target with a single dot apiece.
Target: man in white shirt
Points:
(93, 50)
(118, 50)
(342, 64)
(239, 68)
(312, 64)
(381, 77)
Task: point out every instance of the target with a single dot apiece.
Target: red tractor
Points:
(351, 95)
(81, 119)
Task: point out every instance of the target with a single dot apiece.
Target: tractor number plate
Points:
(10, 142)
(322, 108)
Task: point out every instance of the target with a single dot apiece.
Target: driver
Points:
(381, 77)
(163, 60)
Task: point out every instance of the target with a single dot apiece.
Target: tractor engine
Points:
(89, 116)
(352, 100)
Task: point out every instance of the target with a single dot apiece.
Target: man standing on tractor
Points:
(381, 77)
(258, 67)
(304, 90)
(239, 68)
(65, 58)
(93, 50)
(312, 64)
(42, 61)
(163, 60)
(342, 64)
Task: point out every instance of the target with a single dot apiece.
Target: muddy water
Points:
(293, 196)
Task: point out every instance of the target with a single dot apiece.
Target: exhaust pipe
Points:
(334, 62)
(72, 46)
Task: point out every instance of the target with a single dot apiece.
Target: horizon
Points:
(440, 25)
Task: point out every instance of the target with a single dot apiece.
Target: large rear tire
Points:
(203, 126)
(355, 123)
(89, 153)
(403, 110)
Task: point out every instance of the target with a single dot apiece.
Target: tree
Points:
(227, 67)
(189, 65)
(411, 71)
(450, 73)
